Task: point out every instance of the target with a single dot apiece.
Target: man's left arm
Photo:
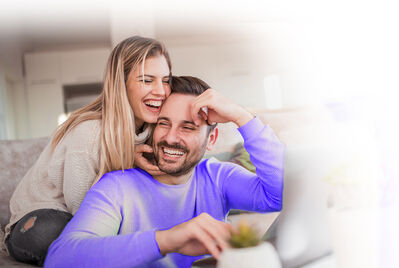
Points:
(242, 189)
(261, 191)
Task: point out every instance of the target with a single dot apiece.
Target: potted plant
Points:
(247, 250)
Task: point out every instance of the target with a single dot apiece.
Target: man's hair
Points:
(189, 85)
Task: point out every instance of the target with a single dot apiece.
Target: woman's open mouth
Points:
(153, 105)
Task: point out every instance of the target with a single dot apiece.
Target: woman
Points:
(96, 139)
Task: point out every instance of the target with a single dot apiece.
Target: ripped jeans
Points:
(32, 235)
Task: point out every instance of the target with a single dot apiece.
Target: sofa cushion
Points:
(9, 262)
(16, 157)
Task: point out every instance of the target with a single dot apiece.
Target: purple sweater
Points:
(116, 223)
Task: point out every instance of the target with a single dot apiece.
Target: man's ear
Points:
(212, 138)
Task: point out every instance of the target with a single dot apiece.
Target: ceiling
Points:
(42, 24)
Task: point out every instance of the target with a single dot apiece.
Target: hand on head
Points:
(219, 109)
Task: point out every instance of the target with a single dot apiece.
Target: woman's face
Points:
(147, 92)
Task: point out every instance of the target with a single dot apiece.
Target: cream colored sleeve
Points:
(80, 171)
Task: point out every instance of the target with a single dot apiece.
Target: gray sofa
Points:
(16, 157)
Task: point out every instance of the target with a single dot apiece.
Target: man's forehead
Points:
(177, 106)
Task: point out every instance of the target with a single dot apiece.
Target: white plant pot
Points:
(263, 255)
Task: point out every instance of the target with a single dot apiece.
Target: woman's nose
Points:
(159, 89)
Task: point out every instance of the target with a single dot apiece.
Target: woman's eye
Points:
(146, 81)
(188, 128)
(166, 82)
(162, 124)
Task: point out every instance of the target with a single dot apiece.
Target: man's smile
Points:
(172, 153)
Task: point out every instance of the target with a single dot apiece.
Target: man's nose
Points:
(172, 137)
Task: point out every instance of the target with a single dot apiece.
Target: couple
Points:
(152, 214)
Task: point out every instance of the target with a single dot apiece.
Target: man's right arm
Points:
(91, 238)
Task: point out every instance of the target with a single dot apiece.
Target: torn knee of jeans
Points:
(28, 224)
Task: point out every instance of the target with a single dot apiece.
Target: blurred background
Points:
(323, 74)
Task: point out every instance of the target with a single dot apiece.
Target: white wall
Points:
(13, 119)
(238, 68)
(3, 107)
(230, 68)
(47, 72)
(12, 89)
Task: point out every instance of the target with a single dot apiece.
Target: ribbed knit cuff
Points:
(149, 249)
(251, 129)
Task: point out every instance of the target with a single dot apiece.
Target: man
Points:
(131, 219)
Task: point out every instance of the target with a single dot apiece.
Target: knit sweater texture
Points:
(60, 179)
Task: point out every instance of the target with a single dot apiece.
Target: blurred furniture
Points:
(16, 157)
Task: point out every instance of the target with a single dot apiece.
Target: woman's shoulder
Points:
(85, 134)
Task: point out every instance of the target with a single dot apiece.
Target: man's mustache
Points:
(172, 146)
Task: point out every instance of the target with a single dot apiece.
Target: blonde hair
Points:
(112, 105)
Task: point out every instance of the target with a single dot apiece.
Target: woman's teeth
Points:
(155, 104)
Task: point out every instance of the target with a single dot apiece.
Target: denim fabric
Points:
(30, 245)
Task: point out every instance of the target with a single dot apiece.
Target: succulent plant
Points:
(246, 236)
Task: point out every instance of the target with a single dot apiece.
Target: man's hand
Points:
(142, 162)
(198, 236)
(219, 109)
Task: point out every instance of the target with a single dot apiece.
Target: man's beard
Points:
(190, 161)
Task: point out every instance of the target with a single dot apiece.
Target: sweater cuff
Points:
(148, 245)
(251, 129)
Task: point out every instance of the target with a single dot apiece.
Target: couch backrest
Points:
(16, 157)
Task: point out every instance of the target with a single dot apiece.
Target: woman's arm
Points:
(80, 171)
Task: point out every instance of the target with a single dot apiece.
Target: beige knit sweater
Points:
(60, 180)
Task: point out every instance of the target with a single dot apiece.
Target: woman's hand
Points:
(219, 109)
(143, 163)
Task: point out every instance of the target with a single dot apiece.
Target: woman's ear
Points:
(212, 138)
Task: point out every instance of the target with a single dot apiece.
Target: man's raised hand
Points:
(219, 109)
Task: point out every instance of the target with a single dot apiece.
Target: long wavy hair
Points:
(112, 105)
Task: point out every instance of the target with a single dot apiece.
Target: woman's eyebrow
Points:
(152, 76)
(139, 76)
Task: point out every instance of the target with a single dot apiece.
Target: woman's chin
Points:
(151, 118)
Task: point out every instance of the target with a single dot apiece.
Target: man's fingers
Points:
(220, 231)
(195, 111)
(207, 241)
(203, 114)
(200, 102)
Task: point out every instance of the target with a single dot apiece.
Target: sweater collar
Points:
(144, 135)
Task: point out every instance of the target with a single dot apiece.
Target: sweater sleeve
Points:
(79, 174)
(91, 238)
(76, 162)
(262, 191)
